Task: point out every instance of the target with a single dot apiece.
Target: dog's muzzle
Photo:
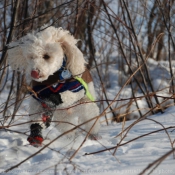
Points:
(35, 74)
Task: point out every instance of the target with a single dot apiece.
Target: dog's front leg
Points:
(35, 138)
(68, 98)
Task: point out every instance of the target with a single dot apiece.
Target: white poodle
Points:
(61, 85)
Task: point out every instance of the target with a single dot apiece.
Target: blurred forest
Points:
(111, 32)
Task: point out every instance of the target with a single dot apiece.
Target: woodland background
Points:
(110, 32)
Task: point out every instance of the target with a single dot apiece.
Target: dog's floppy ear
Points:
(15, 57)
(75, 60)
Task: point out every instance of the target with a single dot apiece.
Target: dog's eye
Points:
(46, 56)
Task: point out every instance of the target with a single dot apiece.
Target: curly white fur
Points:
(27, 54)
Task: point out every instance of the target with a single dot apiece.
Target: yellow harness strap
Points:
(88, 94)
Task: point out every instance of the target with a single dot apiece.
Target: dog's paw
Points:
(35, 138)
(35, 141)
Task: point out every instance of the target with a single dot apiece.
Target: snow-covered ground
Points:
(130, 157)
(141, 146)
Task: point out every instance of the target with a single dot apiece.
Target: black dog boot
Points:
(35, 138)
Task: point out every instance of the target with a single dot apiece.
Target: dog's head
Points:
(41, 54)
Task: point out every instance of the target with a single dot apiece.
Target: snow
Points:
(136, 147)
(130, 158)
